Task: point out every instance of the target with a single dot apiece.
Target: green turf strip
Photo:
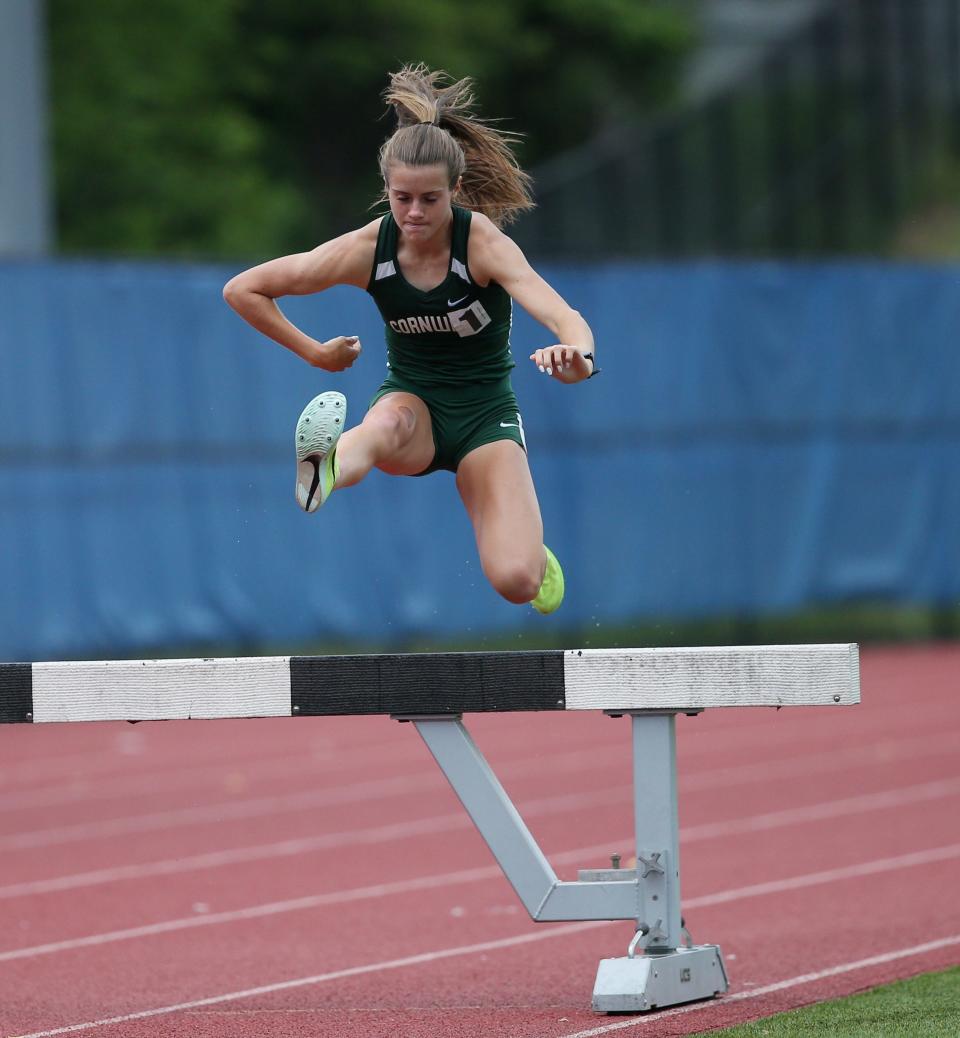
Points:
(927, 1006)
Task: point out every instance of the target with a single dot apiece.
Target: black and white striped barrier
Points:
(433, 690)
(679, 679)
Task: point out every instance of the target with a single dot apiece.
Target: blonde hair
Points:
(436, 126)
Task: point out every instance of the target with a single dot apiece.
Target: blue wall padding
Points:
(763, 437)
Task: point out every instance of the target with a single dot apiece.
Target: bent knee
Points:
(395, 424)
(517, 582)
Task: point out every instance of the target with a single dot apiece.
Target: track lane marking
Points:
(173, 779)
(338, 897)
(273, 805)
(777, 768)
(460, 820)
(126, 745)
(497, 945)
(879, 801)
(320, 978)
(104, 760)
(322, 757)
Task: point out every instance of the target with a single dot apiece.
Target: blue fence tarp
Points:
(763, 437)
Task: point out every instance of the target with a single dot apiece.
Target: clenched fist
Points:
(339, 353)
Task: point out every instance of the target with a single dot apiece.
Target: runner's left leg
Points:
(497, 490)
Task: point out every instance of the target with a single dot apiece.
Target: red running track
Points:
(318, 877)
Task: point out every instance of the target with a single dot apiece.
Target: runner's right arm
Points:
(346, 260)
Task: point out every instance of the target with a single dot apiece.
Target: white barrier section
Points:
(754, 675)
(154, 690)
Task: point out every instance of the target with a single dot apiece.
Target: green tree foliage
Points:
(235, 127)
(153, 154)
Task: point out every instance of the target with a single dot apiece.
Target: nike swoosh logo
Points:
(509, 425)
(453, 302)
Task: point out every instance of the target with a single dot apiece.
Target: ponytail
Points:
(436, 126)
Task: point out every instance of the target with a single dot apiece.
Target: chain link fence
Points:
(819, 150)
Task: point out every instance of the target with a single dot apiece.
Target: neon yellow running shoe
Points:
(318, 430)
(550, 594)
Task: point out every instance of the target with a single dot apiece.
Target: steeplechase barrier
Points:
(663, 966)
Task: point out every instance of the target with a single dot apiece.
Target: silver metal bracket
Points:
(651, 864)
(693, 711)
(608, 875)
(656, 905)
(425, 717)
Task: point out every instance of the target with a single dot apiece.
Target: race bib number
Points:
(469, 321)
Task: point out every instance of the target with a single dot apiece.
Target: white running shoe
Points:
(318, 430)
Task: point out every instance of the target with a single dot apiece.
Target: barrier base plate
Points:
(644, 982)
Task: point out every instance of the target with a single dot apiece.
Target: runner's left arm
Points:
(496, 257)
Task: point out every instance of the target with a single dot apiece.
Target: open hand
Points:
(565, 363)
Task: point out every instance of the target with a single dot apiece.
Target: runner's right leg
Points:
(395, 436)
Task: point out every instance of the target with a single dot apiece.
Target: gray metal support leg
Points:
(670, 972)
(657, 827)
(491, 809)
(544, 896)
(649, 895)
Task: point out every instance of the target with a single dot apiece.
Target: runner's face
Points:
(420, 198)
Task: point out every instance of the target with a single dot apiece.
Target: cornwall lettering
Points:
(463, 322)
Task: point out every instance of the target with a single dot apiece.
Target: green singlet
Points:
(449, 346)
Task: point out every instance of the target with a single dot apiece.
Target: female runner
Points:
(443, 275)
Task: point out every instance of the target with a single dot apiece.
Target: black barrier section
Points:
(435, 683)
(16, 692)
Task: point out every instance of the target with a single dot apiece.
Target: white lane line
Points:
(884, 752)
(104, 757)
(883, 800)
(497, 945)
(842, 872)
(219, 812)
(770, 989)
(464, 876)
(321, 978)
(299, 904)
(234, 856)
(402, 830)
(216, 777)
(319, 756)
(125, 744)
(97, 758)
(460, 820)
(273, 805)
